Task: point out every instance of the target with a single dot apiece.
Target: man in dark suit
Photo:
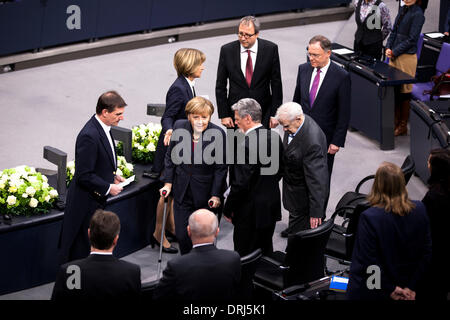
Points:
(204, 274)
(253, 204)
(323, 91)
(251, 68)
(94, 179)
(305, 175)
(99, 276)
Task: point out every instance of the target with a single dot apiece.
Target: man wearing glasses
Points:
(251, 68)
(323, 90)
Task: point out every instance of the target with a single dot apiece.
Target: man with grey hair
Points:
(250, 67)
(253, 204)
(205, 273)
(305, 175)
(323, 90)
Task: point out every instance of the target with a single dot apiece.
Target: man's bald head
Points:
(203, 226)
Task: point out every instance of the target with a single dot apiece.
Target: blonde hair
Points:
(187, 60)
(389, 190)
(199, 105)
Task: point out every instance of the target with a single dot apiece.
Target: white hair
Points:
(289, 111)
(203, 223)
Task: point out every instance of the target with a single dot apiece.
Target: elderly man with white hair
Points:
(305, 175)
(206, 273)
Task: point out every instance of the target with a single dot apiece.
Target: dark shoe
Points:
(284, 233)
(150, 174)
(171, 249)
(171, 237)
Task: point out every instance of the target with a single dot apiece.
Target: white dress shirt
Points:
(244, 56)
(323, 72)
(191, 84)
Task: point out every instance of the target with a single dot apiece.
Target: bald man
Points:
(205, 273)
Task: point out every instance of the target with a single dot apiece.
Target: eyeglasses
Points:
(313, 55)
(245, 35)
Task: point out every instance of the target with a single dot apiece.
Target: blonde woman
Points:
(188, 63)
(393, 243)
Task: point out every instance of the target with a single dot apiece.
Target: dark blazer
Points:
(266, 87)
(204, 274)
(331, 109)
(177, 97)
(400, 246)
(204, 180)
(404, 35)
(254, 199)
(102, 277)
(305, 175)
(95, 171)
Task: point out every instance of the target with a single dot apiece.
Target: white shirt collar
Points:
(102, 253)
(324, 69)
(104, 126)
(253, 49)
(191, 83)
(253, 128)
(202, 244)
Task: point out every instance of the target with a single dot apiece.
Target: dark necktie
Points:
(315, 86)
(249, 69)
(193, 89)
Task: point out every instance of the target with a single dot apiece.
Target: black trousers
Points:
(247, 238)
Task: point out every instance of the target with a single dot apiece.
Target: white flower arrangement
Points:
(144, 140)
(24, 191)
(124, 169)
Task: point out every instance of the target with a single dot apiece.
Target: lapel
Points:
(105, 141)
(186, 86)
(237, 66)
(325, 82)
(259, 57)
(306, 83)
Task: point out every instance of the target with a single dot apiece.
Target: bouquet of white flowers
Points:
(144, 140)
(124, 169)
(23, 191)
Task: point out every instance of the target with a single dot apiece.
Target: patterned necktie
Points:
(249, 69)
(315, 86)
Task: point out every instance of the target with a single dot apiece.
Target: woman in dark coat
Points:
(393, 244)
(195, 166)
(189, 65)
(401, 48)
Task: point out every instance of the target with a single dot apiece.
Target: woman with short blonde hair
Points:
(187, 60)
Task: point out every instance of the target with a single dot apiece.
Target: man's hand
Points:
(167, 187)
(332, 149)
(118, 179)
(403, 294)
(227, 122)
(273, 122)
(215, 202)
(115, 189)
(315, 222)
(167, 136)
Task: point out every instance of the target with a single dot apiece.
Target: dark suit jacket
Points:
(305, 177)
(266, 87)
(400, 246)
(204, 180)
(95, 171)
(205, 273)
(102, 277)
(331, 109)
(254, 199)
(177, 97)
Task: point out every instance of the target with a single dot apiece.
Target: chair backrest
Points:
(408, 168)
(305, 254)
(248, 268)
(352, 228)
(147, 289)
(443, 62)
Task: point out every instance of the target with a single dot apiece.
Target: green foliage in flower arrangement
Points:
(144, 140)
(25, 192)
